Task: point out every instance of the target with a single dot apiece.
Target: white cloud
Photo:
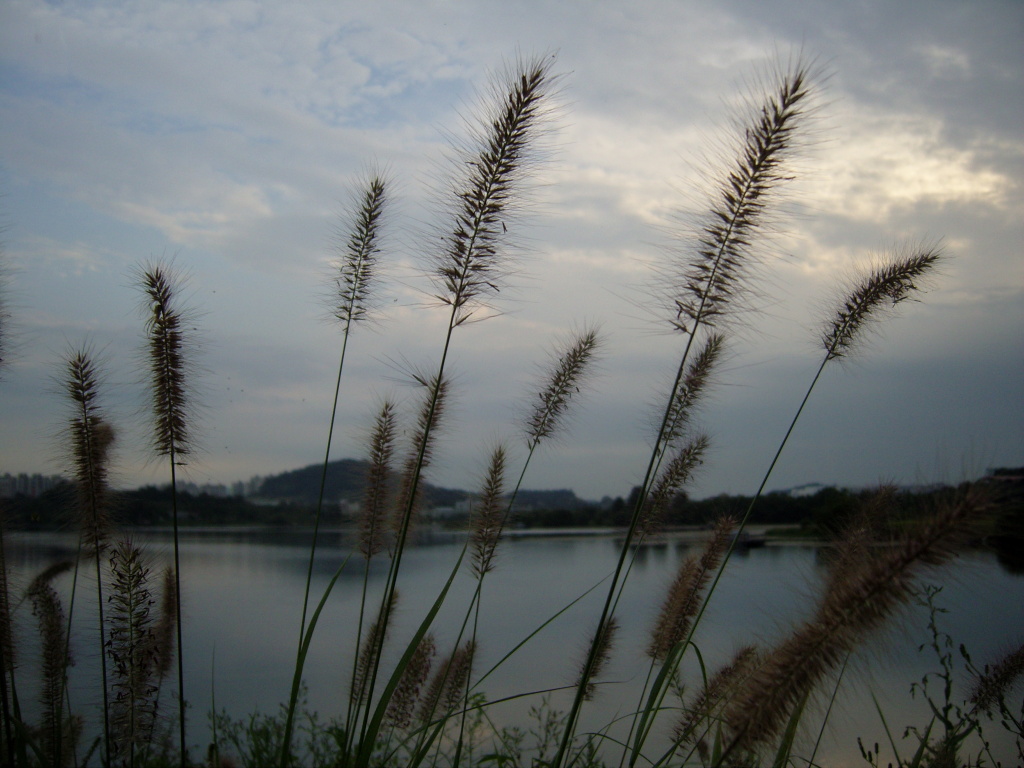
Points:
(229, 132)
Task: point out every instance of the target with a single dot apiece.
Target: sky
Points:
(229, 137)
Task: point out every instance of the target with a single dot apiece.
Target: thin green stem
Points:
(407, 513)
(323, 483)
(177, 605)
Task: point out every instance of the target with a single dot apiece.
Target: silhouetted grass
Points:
(427, 708)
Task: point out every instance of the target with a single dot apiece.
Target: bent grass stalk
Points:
(469, 265)
(892, 282)
(711, 280)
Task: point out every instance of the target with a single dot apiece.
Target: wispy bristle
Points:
(674, 476)
(418, 459)
(692, 388)
(849, 609)
(603, 646)
(359, 246)
(859, 532)
(54, 661)
(458, 675)
(448, 685)
(169, 366)
(166, 623)
(489, 514)
(997, 680)
(132, 649)
(373, 524)
(407, 692)
(725, 244)
(91, 438)
(687, 590)
(702, 709)
(371, 647)
(469, 267)
(567, 373)
(885, 287)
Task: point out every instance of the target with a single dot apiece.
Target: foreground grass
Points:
(426, 708)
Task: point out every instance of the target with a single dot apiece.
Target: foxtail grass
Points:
(684, 595)
(850, 608)
(410, 687)
(878, 292)
(90, 437)
(58, 732)
(359, 242)
(407, 714)
(711, 276)
(468, 267)
(354, 275)
(701, 715)
(140, 651)
(997, 680)
(172, 401)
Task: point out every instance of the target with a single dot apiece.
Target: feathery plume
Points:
(407, 692)
(421, 449)
(489, 515)
(997, 679)
(359, 247)
(712, 695)
(691, 388)
(859, 532)
(566, 374)
(378, 479)
(171, 398)
(132, 650)
(684, 596)
(468, 267)
(91, 438)
(163, 631)
(458, 675)
(371, 647)
(849, 609)
(888, 284)
(56, 658)
(670, 482)
(447, 686)
(168, 359)
(725, 243)
(603, 653)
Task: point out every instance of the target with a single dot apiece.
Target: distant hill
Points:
(344, 482)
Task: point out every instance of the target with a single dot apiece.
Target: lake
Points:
(242, 595)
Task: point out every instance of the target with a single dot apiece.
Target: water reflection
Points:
(242, 591)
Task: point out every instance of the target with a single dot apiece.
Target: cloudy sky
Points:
(228, 136)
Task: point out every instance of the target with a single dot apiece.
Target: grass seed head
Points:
(882, 289)
(359, 245)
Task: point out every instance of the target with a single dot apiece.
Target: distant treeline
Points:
(821, 514)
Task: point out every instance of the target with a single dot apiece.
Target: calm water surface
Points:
(242, 593)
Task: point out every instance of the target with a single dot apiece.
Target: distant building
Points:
(25, 484)
(808, 489)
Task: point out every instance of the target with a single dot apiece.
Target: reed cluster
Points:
(407, 702)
